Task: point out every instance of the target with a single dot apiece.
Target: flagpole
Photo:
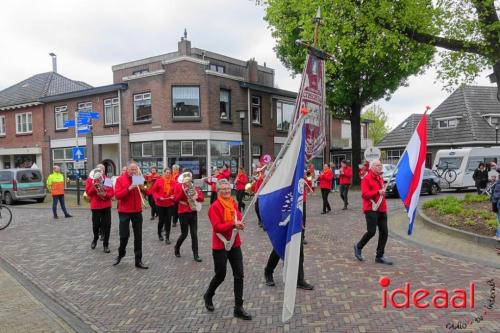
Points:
(291, 135)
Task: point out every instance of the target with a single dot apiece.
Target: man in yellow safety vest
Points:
(55, 185)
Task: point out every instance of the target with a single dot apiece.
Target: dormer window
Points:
(448, 122)
(217, 68)
(404, 125)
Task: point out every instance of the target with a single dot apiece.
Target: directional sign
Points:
(79, 165)
(69, 123)
(84, 129)
(92, 115)
(83, 121)
(78, 153)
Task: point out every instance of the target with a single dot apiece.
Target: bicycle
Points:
(449, 175)
(5, 215)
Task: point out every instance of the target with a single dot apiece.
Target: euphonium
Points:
(143, 201)
(187, 185)
(98, 182)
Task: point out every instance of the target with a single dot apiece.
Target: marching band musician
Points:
(239, 185)
(255, 189)
(100, 194)
(175, 175)
(226, 220)
(163, 193)
(325, 183)
(130, 200)
(308, 187)
(186, 195)
(151, 178)
(212, 181)
(225, 172)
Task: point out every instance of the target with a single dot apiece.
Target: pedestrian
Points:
(99, 189)
(364, 169)
(325, 184)
(175, 176)
(187, 195)
(495, 203)
(129, 193)
(226, 221)
(212, 181)
(345, 179)
(240, 183)
(480, 177)
(163, 193)
(55, 185)
(375, 210)
(151, 178)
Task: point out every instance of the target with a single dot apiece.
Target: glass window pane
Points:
(173, 148)
(186, 101)
(158, 148)
(200, 148)
(58, 154)
(136, 149)
(147, 149)
(142, 110)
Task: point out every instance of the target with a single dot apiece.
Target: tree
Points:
(468, 31)
(379, 128)
(368, 65)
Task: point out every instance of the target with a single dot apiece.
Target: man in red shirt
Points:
(226, 222)
(345, 179)
(130, 210)
(100, 194)
(375, 210)
(188, 215)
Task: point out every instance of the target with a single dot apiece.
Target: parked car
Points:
(430, 183)
(388, 168)
(21, 184)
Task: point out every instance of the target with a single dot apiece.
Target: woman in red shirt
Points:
(345, 179)
(239, 185)
(325, 183)
(163, 194)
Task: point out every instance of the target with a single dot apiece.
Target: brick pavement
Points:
(55, 255)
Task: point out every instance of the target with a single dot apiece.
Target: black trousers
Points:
(164, 217)
(257, 210)
(324, 195)
(304, 217)
(344, 190)
(274, 259)
(175, 214)
(213, 197)
(374, 220)
(101, 221)
(235, 258)
(152, 204)
(189, 222)
(136, 219)
(240, 194)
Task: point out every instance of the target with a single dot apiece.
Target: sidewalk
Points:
(21, 312)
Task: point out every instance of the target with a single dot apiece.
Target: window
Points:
(284, 112)
(23, 123)
(140, 71)
(404, 125)
(225, 104)
(61, 114)
(85, 107)
(186, 102)
(448, 123)
(147, 149)
(111, 116)
(186, 148)
(142, 107)
(256, 117)
(217, 68)
(256, 150)
(2, 125)
(449, 163)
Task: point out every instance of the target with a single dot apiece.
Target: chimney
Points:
(54, 62)
(252, 74)
(184, 46)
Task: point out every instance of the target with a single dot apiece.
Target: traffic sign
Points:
(92, 115)
(83, 121)
(79, 165)
(83, 129)
(78, 154)
(69, 123)
(372, 153)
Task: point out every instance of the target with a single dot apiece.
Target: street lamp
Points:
(242, 146)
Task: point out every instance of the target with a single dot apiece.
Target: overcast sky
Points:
(92, 35)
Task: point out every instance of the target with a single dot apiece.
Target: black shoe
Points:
(383, 260)
(56, 217)
(197, 258)
(93, 245)
(304, 242)
(106, 250)
(168, 242)
(152, 218)
(357, 253)
(68, 215)
(323, 213)
(239, 312)
(174, 225)
(160, 238)
(141, 265)
(117, 260)
(345, 208)
(329, 210)
(177, 252)
(208, 303)
(304, 285)
(269, 280)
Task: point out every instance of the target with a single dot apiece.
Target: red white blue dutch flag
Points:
(411, 168)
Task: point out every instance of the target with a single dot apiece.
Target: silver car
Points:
(21, 184)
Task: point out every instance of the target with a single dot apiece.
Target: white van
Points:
(456, 166)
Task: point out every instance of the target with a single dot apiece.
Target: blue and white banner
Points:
(280, 206)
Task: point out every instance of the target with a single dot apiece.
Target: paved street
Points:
(56, 256)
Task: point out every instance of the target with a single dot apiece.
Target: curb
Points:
(478, 239)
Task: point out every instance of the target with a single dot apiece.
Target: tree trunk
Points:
(356, 141)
